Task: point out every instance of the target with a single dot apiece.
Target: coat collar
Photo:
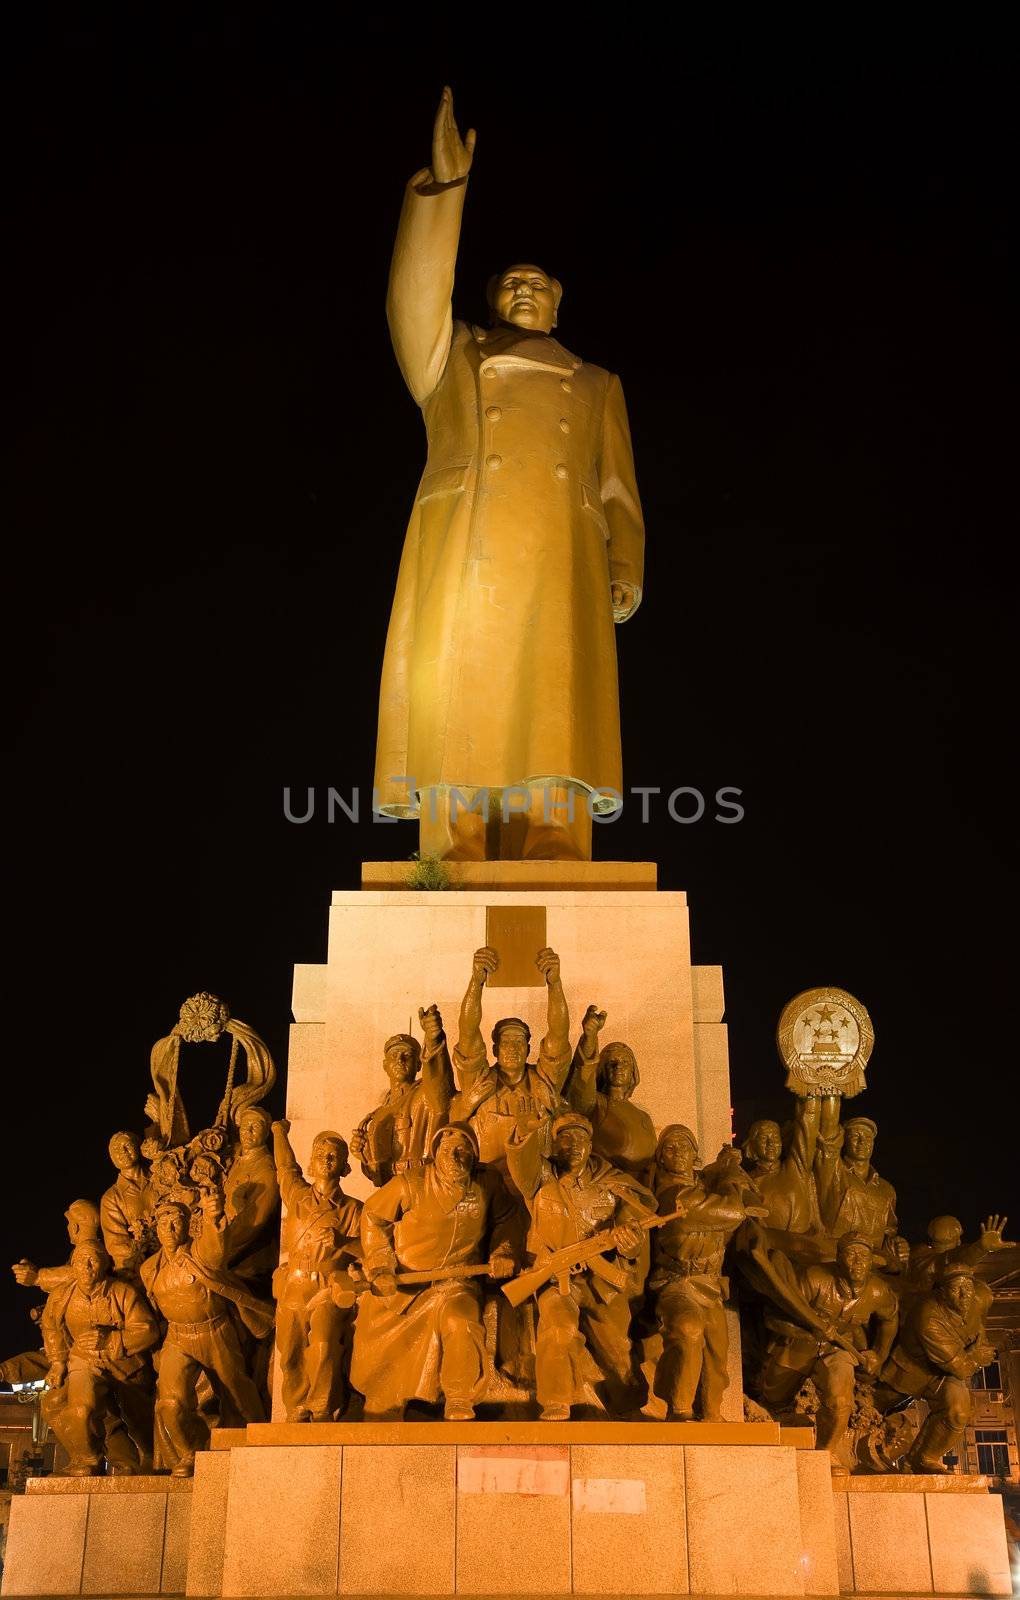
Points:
(505, 344)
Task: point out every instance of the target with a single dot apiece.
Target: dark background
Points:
(792, 248)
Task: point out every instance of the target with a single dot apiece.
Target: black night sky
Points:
(792, 249)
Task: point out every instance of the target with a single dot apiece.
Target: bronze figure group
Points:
(531, 1245)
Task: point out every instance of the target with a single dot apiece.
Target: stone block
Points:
(176, 1539)
(889, 1538)
(628, 1534)
(967, 1540)
(743, 1520)
(208, 1523)
(819, 1559)
(283, 1522)
(398, 1519)
(844, 1551)
(45, 1544)
(513, 1519)
(124, 1543)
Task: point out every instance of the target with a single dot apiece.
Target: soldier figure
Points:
(941, 1346)
(321, 1239)
(852, 1198)
(600, 1086)
(448, 1223)
(829, 1339)
(399, 1132)
(83, 1227)
(98, 1331)
(687, 1279)
(572, 1196)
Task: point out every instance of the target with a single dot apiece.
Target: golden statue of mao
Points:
(499, 721)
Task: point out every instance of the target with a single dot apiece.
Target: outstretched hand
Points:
(992, 1230)
(451, 155)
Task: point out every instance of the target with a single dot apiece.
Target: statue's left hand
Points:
(451, 155)
(992, 1230)
(431, 1023)
(624, 597)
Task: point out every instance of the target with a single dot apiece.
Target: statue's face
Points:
(858, 1142)
(676, 1156)
(328, 1162)
(526, 297)
(571, 1148)
(252, 1132)
(958, 1293)
(854, 1261)
(89, 1267)
(512, 1053)
(172, 1228)
(400, 1063)
(767, 1144)
(455, 1157)
(124, 1151)
(618, 1067)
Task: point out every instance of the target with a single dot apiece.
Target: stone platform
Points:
(508, 1508)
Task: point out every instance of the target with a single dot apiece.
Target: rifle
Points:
(348, 1296)
(565, 1263)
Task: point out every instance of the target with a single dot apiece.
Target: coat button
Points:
(560, 470)
(565, 385)
(494, 413)
(565, 425)
(494, 461)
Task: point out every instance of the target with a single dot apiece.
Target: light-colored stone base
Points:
(920, 1535)
(99, 1536)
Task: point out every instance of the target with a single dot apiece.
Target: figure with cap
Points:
(497, 1096)
(451, 1224)
(321, 1239)
(852, 1197)
(833, 1323)
(251, 1200)
(99, 1333)
(945, 1244)
(691, 1375)
(941, 1346)
(600, 1086)
(583, 1336)
(398, 1133)
(83, 1226)
(783, 1170)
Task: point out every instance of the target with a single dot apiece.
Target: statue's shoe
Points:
(458, 1411)
(555, 1414)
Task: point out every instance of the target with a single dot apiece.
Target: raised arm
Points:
(554, 1057)
(436, 1071)
(580, 1086)
(288, 1174)
(425, 256)
(470, 1050)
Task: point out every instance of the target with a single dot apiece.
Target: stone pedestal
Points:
(920, 1535)
(99, 1536)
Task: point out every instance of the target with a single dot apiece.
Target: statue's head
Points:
(954, 1286)
(764, 1142)
(253, 1127)
(401, 1059)
(82, 1221)
(859, 1138)
(90, 1264)
(455, 1152)
(125, 1151)
(525, 297)
(173, 1224)
(328, 1161)
(511, 1040)
(854, 1256)
(677, 1151)
(945, 1233)
(617, 1069)
(571, 1142)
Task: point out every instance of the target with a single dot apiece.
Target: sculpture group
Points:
(532, 1246)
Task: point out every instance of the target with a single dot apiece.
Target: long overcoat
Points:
(500, 665)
